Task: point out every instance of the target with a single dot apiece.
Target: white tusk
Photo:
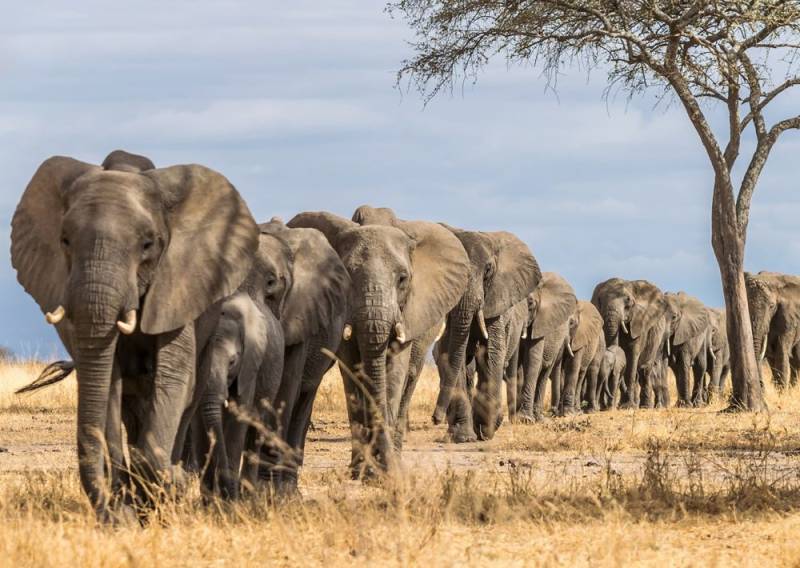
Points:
(669, 349)
(713, 357)
(624, 327)
(569, 349)
(524, 332)
(763, 350)
(347, 333)
(482, 324)
(400, 332)
(441, 331)
(129, 325)
(55, 316)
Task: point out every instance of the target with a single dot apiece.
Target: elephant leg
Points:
(647, 387)
(415, 366)
(487, 414)
(631, 398)
(459, 412)
(569, 404)
(533, 382)
(682, 370)
(699, 397)
(782, 377)
(591, 380)
(171, 394)
(556, 383)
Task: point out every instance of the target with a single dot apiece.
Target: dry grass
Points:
(676, 487)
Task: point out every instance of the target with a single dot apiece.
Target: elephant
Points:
(719, 353)
(123, 260)
(245, 346)
(581, 365)
(542, 344)
(405, 278)
(502, 273)
(635, 317)
(689, 331)
(299, 277)
(774, 302)
(611, 374)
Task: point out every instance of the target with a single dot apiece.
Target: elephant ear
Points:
(590, 327)
(440, 269)
(36, 231)
(557, 302)
(649, 306)
(516, 274)
(254, 344)
(330, 225)
(694, 319)
(320, 283)
(367, 215)
(213, 238)
(123, 161)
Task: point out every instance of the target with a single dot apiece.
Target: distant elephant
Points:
(542, 344)
(719, 353)
(502, 272)
(581, 364)
(244, 338)
(774, 302)
(634, 315)
(299, 277)
(405, 278)
(689, 332)
(612, 371)
(123, 261)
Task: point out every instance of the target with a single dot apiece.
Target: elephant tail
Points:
(50, 375)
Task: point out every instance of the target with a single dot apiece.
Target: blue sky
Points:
(295, 103)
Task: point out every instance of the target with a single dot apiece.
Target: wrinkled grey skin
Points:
(502, 272)
(300, 278)
(581, 362)
(550, 308)
(405, 278)
(518, 318)
(689, 331)
(634, 315)
(774, 302)
(103, 243)
(612, 370)
(245, 346)
(719, 354)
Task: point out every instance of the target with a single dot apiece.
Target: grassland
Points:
(673, 487)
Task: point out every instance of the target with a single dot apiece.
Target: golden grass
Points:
(671, 487)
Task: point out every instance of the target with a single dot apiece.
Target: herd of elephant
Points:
(201, 337)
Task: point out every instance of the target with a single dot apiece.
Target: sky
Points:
(296, 103)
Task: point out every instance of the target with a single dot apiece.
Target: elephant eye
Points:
(65, 241)
(402, 281)
(147, 245)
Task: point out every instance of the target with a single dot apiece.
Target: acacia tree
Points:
(696, 51)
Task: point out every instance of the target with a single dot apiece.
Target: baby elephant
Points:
(612, 369)
(242, 359)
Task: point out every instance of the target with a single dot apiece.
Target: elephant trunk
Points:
(219, 470)
(460, 323)
(611, 327)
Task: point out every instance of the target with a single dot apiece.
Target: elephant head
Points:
(106, 251)
(719, 333)
(770, 294)
(502, 272)
(405, 278)
(229, 366)
(585, 328)
(628, 306)
(550, 305)
(301, 278)
(687, 317)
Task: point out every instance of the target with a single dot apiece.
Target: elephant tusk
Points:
(441, 332)
(669, 350)
(347, 332)
(713, 357)
(56, 315)
(569, 349)
(524, 333)
(400, 332)
(129, 325)
(763, 350)
(482, 324)
(624, 327)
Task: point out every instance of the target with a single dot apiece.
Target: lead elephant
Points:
(542, 345)
(774, 302)
(634, 314)
(502, 273)
(689, 331)
(405, 278)
(123, 260)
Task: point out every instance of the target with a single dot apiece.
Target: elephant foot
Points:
(628, 405)
(570, 411)
(526, 418)
(590, 410)
(462, 434)
(683, 404)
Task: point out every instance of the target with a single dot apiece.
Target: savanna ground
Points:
(671, 487)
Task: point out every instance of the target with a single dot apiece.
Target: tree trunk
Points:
(728, 244)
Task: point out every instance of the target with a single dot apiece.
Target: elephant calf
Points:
(611, 373)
